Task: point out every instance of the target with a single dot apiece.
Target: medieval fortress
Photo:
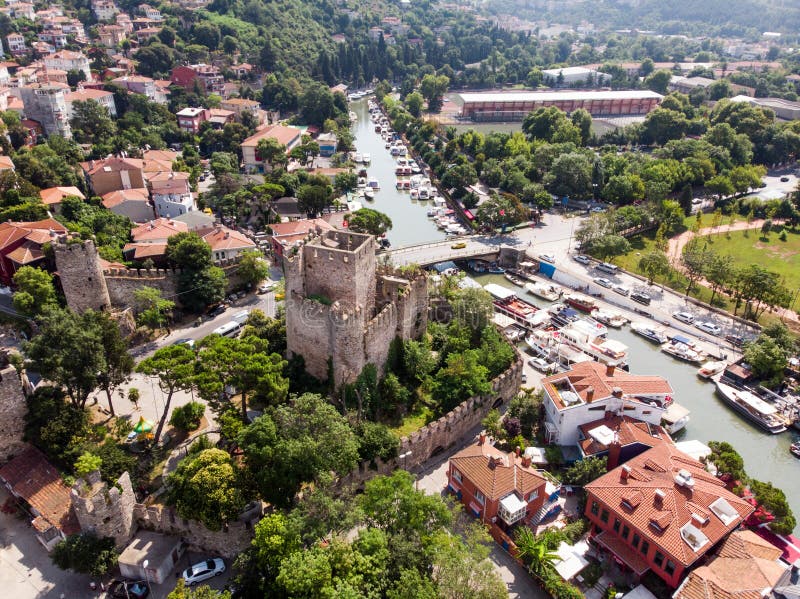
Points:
(343, 310)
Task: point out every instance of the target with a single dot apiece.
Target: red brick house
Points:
(661, 511)
(21, 244)
(500, 488)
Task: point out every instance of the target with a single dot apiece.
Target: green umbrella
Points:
(143, 426)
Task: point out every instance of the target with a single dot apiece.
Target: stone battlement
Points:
(108, 511)
(139, 273)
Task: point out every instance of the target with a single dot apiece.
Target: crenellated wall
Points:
(229, 541)
(440, 434)
(108, 511)
(122, 283)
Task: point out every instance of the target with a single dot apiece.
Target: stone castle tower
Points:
(108, 511)
(81, 275)
(13, 409)
(340, 308)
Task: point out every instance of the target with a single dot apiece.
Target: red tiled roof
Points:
(745, 566)
(27, 253)
(223, 238)
(32, 477)
(628, 431)
(158, 229)
(145, 250)
(287, 233)
(115, 198)
(37, 232)
(677, 504)
(498, 478)
(284, 135)
(114, 164)
(54, 195)
(594, 375)
(6, 163)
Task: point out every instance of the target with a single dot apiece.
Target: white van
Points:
(609, 268)
(229, 329)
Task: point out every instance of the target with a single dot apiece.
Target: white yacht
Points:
(609, 317)
(753, 408)
(590, 337)
(546, 291)
(675, 418)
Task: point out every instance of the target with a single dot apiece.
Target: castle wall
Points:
(412, 309)
(81, 276)
(108, 511)
(441, 434)
(12, 413)
(378, 336)
(308, 332)
(228, 542)
(348, 343)
(123, 283)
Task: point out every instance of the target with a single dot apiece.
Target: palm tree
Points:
(534, 552)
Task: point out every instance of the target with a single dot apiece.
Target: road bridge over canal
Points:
(425, 254)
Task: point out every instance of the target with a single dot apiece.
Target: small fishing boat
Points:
(369, 194)
(372, 183)
(543, 290)
(366, 158)
(710, 369)
(514, 280)
(359, 158)
(794, 449)
(414, 194)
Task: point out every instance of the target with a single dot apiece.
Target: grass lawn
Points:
(414, 421)
(750, 247)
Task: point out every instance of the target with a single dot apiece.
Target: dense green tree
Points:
(118, 361)
(433, 87)
(55, 425)
(766, 358)
(313, 198)
(462, 568)
(570, 176)
(653, 264)
(607, 247)
(462, 377)
(726, 460)
(585, 471)
(294, 444)
(91, 122)
(181, 591)
(472, 308)
(414, 103)
(774, 501)
(658, 81)
(206, 487)
(86, 553)
(367, 220)
(188, 416)
(534, 552)
(271, 152)
(252, 268)
(173, 366)
(152, 310)
(34, 291)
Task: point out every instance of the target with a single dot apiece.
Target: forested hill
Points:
(727, 17)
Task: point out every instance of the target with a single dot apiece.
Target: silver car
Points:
(603, 282)
(203, 571)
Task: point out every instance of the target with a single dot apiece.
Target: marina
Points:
(767, 457)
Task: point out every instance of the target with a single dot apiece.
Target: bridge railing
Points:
(427, 244)
(452, 255)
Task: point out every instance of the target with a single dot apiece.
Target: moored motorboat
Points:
(710, 369)
(369, 194)
(752, 407)
(609, 317)
(590, 337)
(546, 291)
(373, 183)
(683, 352)
(675, 418)
(366, 158)
(649, 332)
(514, 279)
(794, 449)
(581, 302)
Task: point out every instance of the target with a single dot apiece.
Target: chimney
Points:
(517, 451)
(610, 368)
(614, 451)
(589, 394)
(482, 439)
(526, 461)
(660, 495)
(617, 392)
(624, 472)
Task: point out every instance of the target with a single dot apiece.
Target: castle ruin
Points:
(341, 307)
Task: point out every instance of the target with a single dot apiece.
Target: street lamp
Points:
(146, 563)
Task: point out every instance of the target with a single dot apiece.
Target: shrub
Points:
(86, 553)
(87, 463)
(188, 417)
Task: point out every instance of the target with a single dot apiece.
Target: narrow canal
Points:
(409, 217)
(766, 457)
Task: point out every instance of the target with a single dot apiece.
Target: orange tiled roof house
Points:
(502, 489)
(661, 511)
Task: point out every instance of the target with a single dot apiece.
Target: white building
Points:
(571, 76)
(67, 60)
(46, 103)
(104, 10)
(585, 393)
(16, 43)
(171, 193)
(104, 98)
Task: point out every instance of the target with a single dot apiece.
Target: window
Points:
(644, 548)
(595, 508)
(534, 494)
(480, 497)
(456, 475)
(617, 524)
(669, 568)
(604, 516)
(636, 539)
(625, 532)
(658, 559)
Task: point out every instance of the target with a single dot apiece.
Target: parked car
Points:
(582, 259)
(548, 258)
(621, 289)
(241, 317)
(542, 365)
(203, 571)
(683, 317)
(784, 179)
(709, 327)
(266, 287)
(736, 340)
(603, 282)
(641, 297)
(217, 310)
(187, 342)
(128, 589)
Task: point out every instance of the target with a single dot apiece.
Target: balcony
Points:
(512, 509)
